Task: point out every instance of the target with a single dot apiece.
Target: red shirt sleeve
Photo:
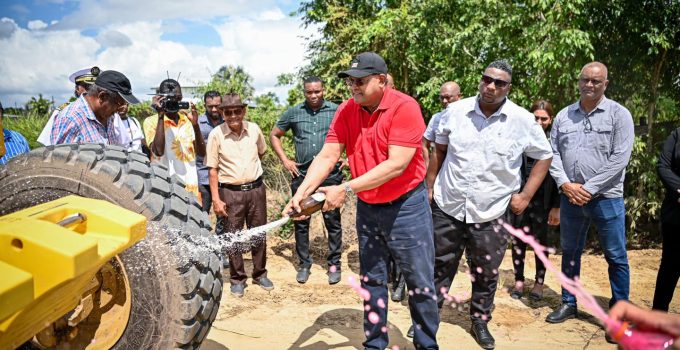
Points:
(337, 132)
(407, 126)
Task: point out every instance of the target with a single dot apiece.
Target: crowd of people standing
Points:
(426, 194)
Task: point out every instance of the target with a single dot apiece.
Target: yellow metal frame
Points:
(46, 267)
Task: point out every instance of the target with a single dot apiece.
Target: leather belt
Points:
(244, 187)
(403, 197)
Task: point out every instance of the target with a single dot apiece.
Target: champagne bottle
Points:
(310, 205)
(631, 338)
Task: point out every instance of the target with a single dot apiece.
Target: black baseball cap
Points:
(365, 64)
(117, 82)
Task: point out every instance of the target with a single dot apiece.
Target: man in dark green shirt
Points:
(309, 122)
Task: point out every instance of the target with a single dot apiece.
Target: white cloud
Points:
(95, 12)
(36, 25)
(7, 27)
(113, 38)
(265, 43)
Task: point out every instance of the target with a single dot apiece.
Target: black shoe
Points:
(410, 332)
(563, 313)
(303, 275)
(482, 335)
(516, 294)
(333, 276)
(265, 283)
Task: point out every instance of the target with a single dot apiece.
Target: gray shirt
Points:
(593, 148)
(206, 125)
(482, 168)
(432, 126)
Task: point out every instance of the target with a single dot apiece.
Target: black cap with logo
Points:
(365, 64)
(117, 82)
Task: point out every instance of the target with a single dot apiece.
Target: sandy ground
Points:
(318, 316)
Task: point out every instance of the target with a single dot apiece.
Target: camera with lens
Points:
(171, 104)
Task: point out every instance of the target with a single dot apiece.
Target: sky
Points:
(43, 41)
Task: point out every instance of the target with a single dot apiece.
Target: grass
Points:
(28, 124)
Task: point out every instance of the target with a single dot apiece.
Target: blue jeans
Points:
(609, 216)
(404, 231)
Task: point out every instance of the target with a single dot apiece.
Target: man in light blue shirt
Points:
(592, 141)
(480, 142)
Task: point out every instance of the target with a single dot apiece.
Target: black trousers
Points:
(485, 244)
(669, 270)
(331, 220)
(535, 217)
(206, 198)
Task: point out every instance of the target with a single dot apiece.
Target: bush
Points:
(29, 124)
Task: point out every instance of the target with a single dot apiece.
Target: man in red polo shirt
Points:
(381, 130)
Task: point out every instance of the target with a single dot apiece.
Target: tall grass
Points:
(29, 124)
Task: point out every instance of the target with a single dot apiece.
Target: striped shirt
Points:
(78, 124)
(15, 144)
(309, 129)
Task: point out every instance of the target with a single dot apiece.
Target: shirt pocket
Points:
(601, 137)
(568, 137)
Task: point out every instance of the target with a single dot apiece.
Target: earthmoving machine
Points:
(101, 249)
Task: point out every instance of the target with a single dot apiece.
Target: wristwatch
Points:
(348, 188)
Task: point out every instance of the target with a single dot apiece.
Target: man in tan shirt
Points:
(233, 156)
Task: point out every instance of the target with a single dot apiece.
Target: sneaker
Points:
(265, 283)
(334, 276)
(303, 275)
(238, 290)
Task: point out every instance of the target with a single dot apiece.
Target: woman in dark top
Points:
(669, 271)
(543, 210)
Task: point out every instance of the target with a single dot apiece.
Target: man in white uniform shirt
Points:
(479, 144)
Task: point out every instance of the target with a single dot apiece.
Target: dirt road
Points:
(318, 316)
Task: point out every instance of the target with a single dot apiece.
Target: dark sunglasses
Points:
(358, 82)
(595, 82)
(228, 112)
(498, 82)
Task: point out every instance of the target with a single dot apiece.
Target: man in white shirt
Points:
(479, 144)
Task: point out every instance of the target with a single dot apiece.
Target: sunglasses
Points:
(497, 82)
(358, 82)
(228, 112)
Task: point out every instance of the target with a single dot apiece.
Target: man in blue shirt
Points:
(592, 140)
(207, 122)
(14, 143)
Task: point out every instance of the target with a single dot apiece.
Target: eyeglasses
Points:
(497, 82)
(358, 82)
(232, 112)
(595, 82)
(588, 126)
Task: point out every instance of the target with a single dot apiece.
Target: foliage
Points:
(38, 105)
(27, 123)
(231, 79)
(426, 43)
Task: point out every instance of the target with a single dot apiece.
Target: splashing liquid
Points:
(629, 338)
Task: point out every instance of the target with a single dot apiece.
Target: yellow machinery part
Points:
(46, 267)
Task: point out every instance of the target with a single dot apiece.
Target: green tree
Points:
(38, 105)
(428, 42)
(231, 79)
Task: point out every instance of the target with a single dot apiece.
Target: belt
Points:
(244, 187)
(403, 197)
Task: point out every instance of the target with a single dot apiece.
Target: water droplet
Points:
(373, 317)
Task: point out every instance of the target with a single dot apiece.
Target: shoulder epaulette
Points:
(63, 106)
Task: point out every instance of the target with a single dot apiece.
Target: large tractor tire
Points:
(170, 283)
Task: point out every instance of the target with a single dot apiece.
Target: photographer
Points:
(174, 136)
